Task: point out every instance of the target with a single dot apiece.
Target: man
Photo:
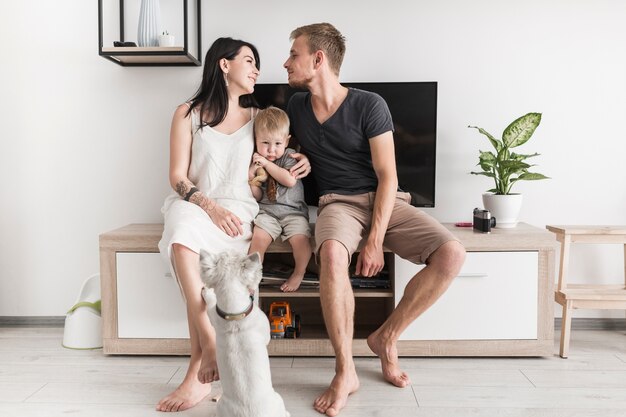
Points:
(347, 135)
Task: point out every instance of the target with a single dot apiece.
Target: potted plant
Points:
(165, 39)
(507, 168)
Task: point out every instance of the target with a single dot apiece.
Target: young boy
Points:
(282, 210)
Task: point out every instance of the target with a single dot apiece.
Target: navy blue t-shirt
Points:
(339, 149)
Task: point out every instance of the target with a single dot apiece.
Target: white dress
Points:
(219, 168)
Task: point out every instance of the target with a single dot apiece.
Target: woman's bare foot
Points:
(388, 354)
(293, 283)
(208, 371)
(187, 395)
(336, 396)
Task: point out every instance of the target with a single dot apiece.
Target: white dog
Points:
(242, 333)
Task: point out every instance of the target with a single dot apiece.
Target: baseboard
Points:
(39, 321)
(577, 323)
(593, 324)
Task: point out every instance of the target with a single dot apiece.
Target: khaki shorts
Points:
(287, 227)
(411, 234)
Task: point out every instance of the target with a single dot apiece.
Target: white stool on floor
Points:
(572, 296)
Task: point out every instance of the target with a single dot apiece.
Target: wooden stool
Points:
(606, 297)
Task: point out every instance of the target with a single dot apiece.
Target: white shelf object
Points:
(494, 297)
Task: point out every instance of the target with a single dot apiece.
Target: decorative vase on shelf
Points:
(149, 23)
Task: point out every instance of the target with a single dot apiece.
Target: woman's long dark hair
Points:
(212, 96)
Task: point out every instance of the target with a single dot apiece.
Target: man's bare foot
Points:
(208, 368)
(388, 354)
(336, 396)
(293, 283)
(187, 395)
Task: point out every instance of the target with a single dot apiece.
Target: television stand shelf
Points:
(500, 305)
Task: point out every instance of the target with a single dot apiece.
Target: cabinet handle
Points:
(473, 275)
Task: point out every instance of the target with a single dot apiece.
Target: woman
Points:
(211, 144)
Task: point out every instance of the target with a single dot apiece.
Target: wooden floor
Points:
(40, 378)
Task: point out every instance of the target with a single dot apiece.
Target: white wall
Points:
(84, 145)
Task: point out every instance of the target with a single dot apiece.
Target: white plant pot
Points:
(166, 40)
(505, 208)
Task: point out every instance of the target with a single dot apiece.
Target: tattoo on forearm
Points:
(203, 201)
(182, 188)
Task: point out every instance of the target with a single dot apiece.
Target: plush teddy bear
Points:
(260, 177)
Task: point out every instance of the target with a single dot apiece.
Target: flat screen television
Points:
(413, 107)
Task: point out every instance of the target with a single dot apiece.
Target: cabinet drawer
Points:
(150, 304)
(493, 297)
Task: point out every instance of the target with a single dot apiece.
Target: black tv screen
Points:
(413, 107)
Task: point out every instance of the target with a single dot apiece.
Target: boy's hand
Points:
(258, 160)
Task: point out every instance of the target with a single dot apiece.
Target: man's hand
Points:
(370, 260)
(302, 168)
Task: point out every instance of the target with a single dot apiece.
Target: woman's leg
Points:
(202, 364)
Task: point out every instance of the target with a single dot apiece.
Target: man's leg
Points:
(202, 364)
(337, 301)
(420, 293)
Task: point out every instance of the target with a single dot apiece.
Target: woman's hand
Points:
(302, 168)
(226, 221)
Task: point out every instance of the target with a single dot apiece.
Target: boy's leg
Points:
(266, 229)
(301, 248)
(261, 240)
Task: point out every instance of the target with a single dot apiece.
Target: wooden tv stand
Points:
(500, 305)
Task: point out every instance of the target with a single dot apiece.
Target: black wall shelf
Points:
(152, 56)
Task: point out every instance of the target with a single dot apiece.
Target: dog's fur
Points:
(242, 357)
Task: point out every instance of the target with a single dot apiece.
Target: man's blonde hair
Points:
(324, 37)
(272, 120)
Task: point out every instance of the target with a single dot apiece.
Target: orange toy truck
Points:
(284, 323)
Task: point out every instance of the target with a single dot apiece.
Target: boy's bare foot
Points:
(208, 371)
(335, 397)
(187, 395)
(293, 283)
(388, 354)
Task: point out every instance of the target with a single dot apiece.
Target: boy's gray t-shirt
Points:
(288, 200)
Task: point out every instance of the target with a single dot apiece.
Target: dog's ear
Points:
(208, 262)
(252, 270)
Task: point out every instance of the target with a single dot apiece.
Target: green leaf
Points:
(521, 129)
(487, 156)
(486, 160)
(521, 157)
(493, 190)
(531, 176)
(485, 173)
(494, 142)
(514, 166)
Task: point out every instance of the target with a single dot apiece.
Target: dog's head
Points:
(232, 276)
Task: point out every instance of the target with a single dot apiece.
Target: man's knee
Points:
(333, 257)
(448, 259)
